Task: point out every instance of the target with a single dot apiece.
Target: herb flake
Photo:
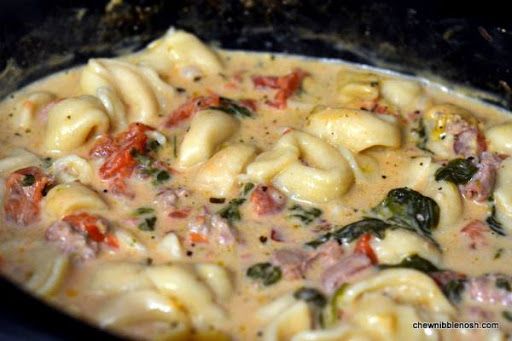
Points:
(265, 273)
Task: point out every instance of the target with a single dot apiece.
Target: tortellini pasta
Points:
(72, 168)
(401, 93)
(304, 167)
(357, 130)
(182, 49)
(503, 194)
(141, 306)
(219, 175)
(437, 120)
(182, 284)
(208, 129)
(50, 269)
(399, 244)
(31, 105)
(74, 122)
(357, 87)
(445, 194)
(116, 277)
(295, 319)
(68, 198)
(170, 247)
(16, 159)
(498, 138)
(217, 279)
(130, 93)
(402, 285)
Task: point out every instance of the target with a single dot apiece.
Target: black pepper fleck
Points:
(189, 253)
(263, 239)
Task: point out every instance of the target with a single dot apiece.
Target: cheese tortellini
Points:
(182, 49)
(73, 197)
(208, 129)
(445, 194)
(503, 194)
(499, 139)
(72, 168)
(129, 92)
(31, 105)
(355, 129)
(16, 159)
(401, 93)
(50, 270)
(354, 88)
(219, 175)
(399, 244)
(304, 167)
(195, 290)
(74, 122)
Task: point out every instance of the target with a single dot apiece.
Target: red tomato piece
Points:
(118, 152)
(190, 107)
(24, 190)
(285, 85)
(363, 247)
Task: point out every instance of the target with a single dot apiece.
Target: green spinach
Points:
(265, 273)
(458, 171)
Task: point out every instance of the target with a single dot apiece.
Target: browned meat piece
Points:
(292, 262)
(267, 200)
(481, 185)
(344, 271)
(491, 289)
(72, 241)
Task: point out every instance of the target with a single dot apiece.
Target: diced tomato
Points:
(93, 226)
(267, 200)
(363, 246)
(180, 214)
(475, 231)
(112, 241)
(24, 190)
(195, 237)
(86, 223)
(190, 107)
(285, 85)
(118, 152)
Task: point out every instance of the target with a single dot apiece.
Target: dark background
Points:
(467, 43)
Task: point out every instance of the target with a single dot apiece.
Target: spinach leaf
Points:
(148, 224)
(28, 180)
(351, 232)
(143, 210)
(458, 171)
(421, 132)
(232, 211)
(409, 209)
(266, 273)
(311, 296)
(503, 283)
(232, 107)
(453, 289)
(161, 177)
(152, 145)
(306, 216)
(247, 188)
(494, 224)
(507, 314)
(413, 262)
